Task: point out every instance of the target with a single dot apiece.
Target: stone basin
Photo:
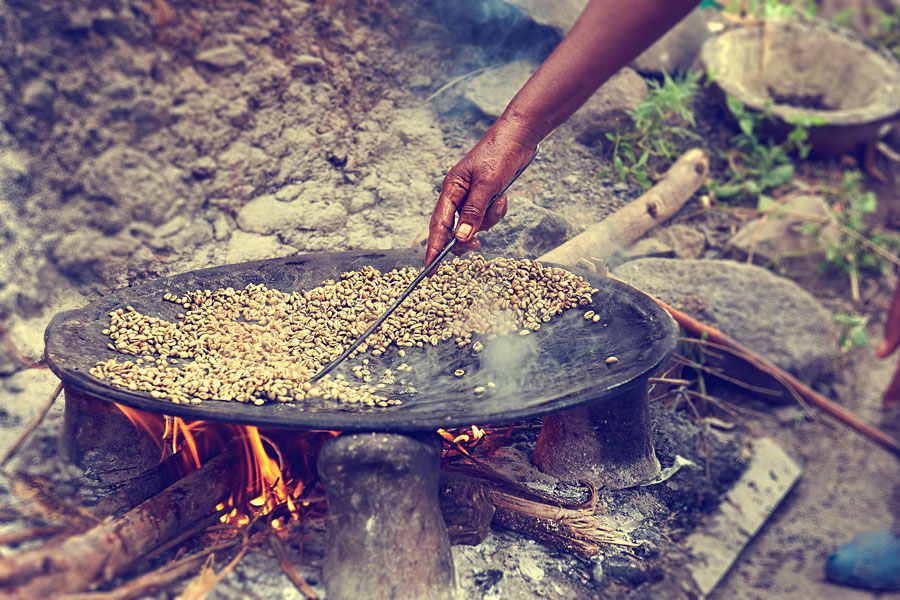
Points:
(808, 68)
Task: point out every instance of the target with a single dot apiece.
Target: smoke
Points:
(500, 29)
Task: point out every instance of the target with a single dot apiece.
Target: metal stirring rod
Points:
(428, 268)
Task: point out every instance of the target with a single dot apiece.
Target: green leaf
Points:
(734, 105)
(809, 228)
(868, 203)
(779, 175)
(764, 203)
(728, 191)
(746, 125)
(859, 338)
(848, 320)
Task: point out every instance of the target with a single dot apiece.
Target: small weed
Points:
(853, 331)
(757, 164)
(767, 9)
(659, 128)
(862, 247)
(887, 30)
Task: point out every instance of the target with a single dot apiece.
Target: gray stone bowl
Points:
(808, 68)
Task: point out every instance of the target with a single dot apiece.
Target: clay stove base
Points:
(608, 443)
(100, 439)
(385, 537)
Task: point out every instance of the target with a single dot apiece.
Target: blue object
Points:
(870, 560)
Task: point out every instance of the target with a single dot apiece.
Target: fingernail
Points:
(882, 348)
(463, 232)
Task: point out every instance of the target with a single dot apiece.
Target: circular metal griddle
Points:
(557, 368)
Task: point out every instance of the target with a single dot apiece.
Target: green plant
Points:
(765, 9)
(852, 330)
(658, 128)
(887, 30)
(862, 247)
(757, 164)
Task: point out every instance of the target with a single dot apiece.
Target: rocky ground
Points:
(142, 139)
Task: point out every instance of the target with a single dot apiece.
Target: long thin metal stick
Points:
(428, 268)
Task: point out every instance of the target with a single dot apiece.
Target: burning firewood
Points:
(96, 556)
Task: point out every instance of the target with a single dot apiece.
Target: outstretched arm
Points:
(607, 35)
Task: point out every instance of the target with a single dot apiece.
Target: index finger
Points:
(440, 229)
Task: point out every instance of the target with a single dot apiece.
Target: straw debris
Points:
(262, 345)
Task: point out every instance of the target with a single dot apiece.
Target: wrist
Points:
(519, 128)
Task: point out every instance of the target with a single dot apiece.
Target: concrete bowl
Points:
(808, 68)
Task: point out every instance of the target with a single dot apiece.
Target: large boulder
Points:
(770, 315)
(780, 239)
(309, 210)
(527, 230)
(559, 15)
(611, 103)
(673, 52)
(492, 89)
(132, 186)
(677, 50)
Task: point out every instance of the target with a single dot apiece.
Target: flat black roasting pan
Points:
(560, 367)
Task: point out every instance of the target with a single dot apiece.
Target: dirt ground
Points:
(137, 137)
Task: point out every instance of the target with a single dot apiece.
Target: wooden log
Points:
(636, 218)
(466, 508)
(103, 551)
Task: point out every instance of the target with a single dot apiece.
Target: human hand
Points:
(888, 345)
(469, 186)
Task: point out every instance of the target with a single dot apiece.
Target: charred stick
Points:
(37, 421)
(32, 533)
(148, 583)
(289, 570)
(574, 531)
(132, 492)
(103, 551)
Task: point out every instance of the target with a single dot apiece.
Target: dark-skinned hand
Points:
(471, 183)
(888, 345)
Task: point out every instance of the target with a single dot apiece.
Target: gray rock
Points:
(243, 247)
(15, 176)
(779, 240)
(361, 200)
(598, 569)
(132, 186)
(771, 315)
(289, 193)
(677, 50)
(559, 15)
(92, 256)
(306, 60)
(38, 95)
(492, 90)
(643, 248)
(685, 241)
(171, 227)
(527, 231)
(626, 570)
(204, 167)
(222, 57)
(611, 103)
(266, 214)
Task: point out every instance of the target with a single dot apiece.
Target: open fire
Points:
(276, 469)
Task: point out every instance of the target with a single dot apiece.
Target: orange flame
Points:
(268, 480)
